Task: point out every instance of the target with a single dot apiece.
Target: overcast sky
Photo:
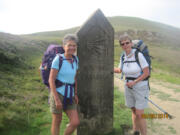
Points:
(30, 16)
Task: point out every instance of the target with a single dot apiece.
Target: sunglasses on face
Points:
(71, 45)
(125, 43)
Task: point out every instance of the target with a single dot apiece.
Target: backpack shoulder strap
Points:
(122, 58)
(137, 58)
(60, 61)
(122, 62)
(75, 58)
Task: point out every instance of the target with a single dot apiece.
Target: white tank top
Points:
(133, 69)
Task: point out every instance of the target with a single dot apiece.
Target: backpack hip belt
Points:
(59, 84)
(133, 78)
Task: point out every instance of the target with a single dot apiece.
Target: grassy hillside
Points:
(14, 50)
(147, 30)
(20, 87)
(163, 40)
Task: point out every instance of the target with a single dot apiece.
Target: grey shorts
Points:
(135, 97)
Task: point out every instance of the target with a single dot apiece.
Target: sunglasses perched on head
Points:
(125, 43)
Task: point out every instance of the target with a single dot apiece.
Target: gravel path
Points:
(166, 96)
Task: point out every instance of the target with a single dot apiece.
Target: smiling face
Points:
(70, 47)
(126, 45)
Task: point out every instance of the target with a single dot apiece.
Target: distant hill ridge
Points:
(159, 37)
(136, 27)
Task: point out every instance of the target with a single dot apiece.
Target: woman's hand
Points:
(130, 84)
(52, 78)
(58, 103)
(142, 77)
(76, 99)
(117, 70)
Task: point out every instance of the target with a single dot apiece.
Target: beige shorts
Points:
(135, 97)
(69, 106)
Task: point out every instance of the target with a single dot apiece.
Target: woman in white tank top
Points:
(135, 83)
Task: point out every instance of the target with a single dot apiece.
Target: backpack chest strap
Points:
(128, 61)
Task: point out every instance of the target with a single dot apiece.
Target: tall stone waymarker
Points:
(95, 78)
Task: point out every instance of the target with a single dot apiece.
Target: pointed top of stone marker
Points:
(96, 19)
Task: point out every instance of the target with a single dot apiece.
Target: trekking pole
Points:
(170, 116)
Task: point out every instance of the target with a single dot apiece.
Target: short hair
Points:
(124, 37)
(70, 37)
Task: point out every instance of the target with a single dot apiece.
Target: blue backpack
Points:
(48, 57)
(140, 47)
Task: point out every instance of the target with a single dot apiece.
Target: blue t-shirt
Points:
(66, 73)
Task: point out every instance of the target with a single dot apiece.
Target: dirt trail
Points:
(166, 96)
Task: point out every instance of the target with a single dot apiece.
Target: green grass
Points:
(172, 130)
(22, 98)
(122, 114)
(176, 90)
(22, 95)
(163, 96)
(161, 129)
(166, 77)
